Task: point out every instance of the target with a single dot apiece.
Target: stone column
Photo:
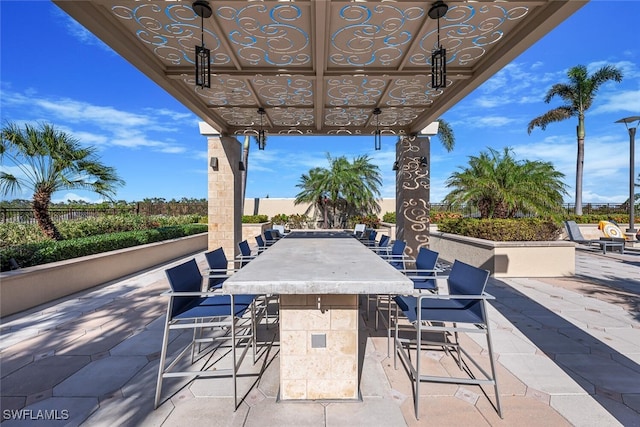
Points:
(224, 191)
(412, 192)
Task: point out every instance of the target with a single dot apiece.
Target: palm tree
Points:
(347, 187)
(500, 186)
(445, 134)
(578, 96)
(46, 161)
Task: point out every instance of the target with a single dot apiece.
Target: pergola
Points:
(318, 67)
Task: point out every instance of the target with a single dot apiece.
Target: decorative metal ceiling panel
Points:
(319, 66)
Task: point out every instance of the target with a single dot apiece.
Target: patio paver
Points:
(568, 353)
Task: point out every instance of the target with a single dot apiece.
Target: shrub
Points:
(31, 254)
(280, 219)
(507, 230)
(254, 219)
(389, 217)
(17, 233)
(370, 221)
(298, 221)
(437, 216)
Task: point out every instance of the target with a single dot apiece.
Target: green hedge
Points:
(254, 219)
(12, 234)
(503, 230)
(31, 254)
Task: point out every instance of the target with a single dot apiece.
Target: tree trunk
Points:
(579, 163)
(41, 212)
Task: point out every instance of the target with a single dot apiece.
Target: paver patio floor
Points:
(568, 352)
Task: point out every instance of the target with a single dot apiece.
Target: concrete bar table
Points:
(318, 276)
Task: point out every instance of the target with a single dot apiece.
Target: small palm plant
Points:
(499, 186)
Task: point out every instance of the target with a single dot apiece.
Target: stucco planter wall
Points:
(31, 286)
(508, 259)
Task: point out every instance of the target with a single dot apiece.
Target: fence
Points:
(25, 215)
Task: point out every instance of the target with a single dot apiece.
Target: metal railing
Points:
(25, 215)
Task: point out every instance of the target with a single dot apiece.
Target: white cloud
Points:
(115, 127)
(618, 101)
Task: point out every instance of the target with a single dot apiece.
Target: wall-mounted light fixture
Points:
(213, 162)
(203, 55)
(377, 136)
(262, 135)
(438, 55)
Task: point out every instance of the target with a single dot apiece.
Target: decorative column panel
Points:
(412, 192)
(224, 191)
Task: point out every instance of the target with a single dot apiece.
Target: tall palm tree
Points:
(500, 186)
(46, 161)
(445, 134)
(345, 187)
(578, 96)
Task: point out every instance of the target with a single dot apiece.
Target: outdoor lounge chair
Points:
(190, 308)
(463, 309)
(604, 243)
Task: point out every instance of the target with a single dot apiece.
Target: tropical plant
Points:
(344, 189)
(578, 96)
(47, 160)
(501, 187)
(280, 219)
(445, 134)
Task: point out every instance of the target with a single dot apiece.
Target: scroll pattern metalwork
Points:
(465, 40)
(413, 184)
(270, 33)
(174, 41)
(372, 34)
(224, 90)
(350, 90)
(284, 90)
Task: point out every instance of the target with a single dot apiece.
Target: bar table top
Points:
(318, 263)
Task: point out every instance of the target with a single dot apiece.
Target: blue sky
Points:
(75, 82)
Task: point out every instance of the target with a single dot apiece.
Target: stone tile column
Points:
(224, 191)
(412, 192)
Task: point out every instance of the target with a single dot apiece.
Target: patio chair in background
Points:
(369, 237)
(383, 245)
(219, 268)
(245, 254)
(358, 230)
(573, 231)
(262, 246)
(463, 309)
(280, 229)
(396, 257)
(269, 237)
(223, 317)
